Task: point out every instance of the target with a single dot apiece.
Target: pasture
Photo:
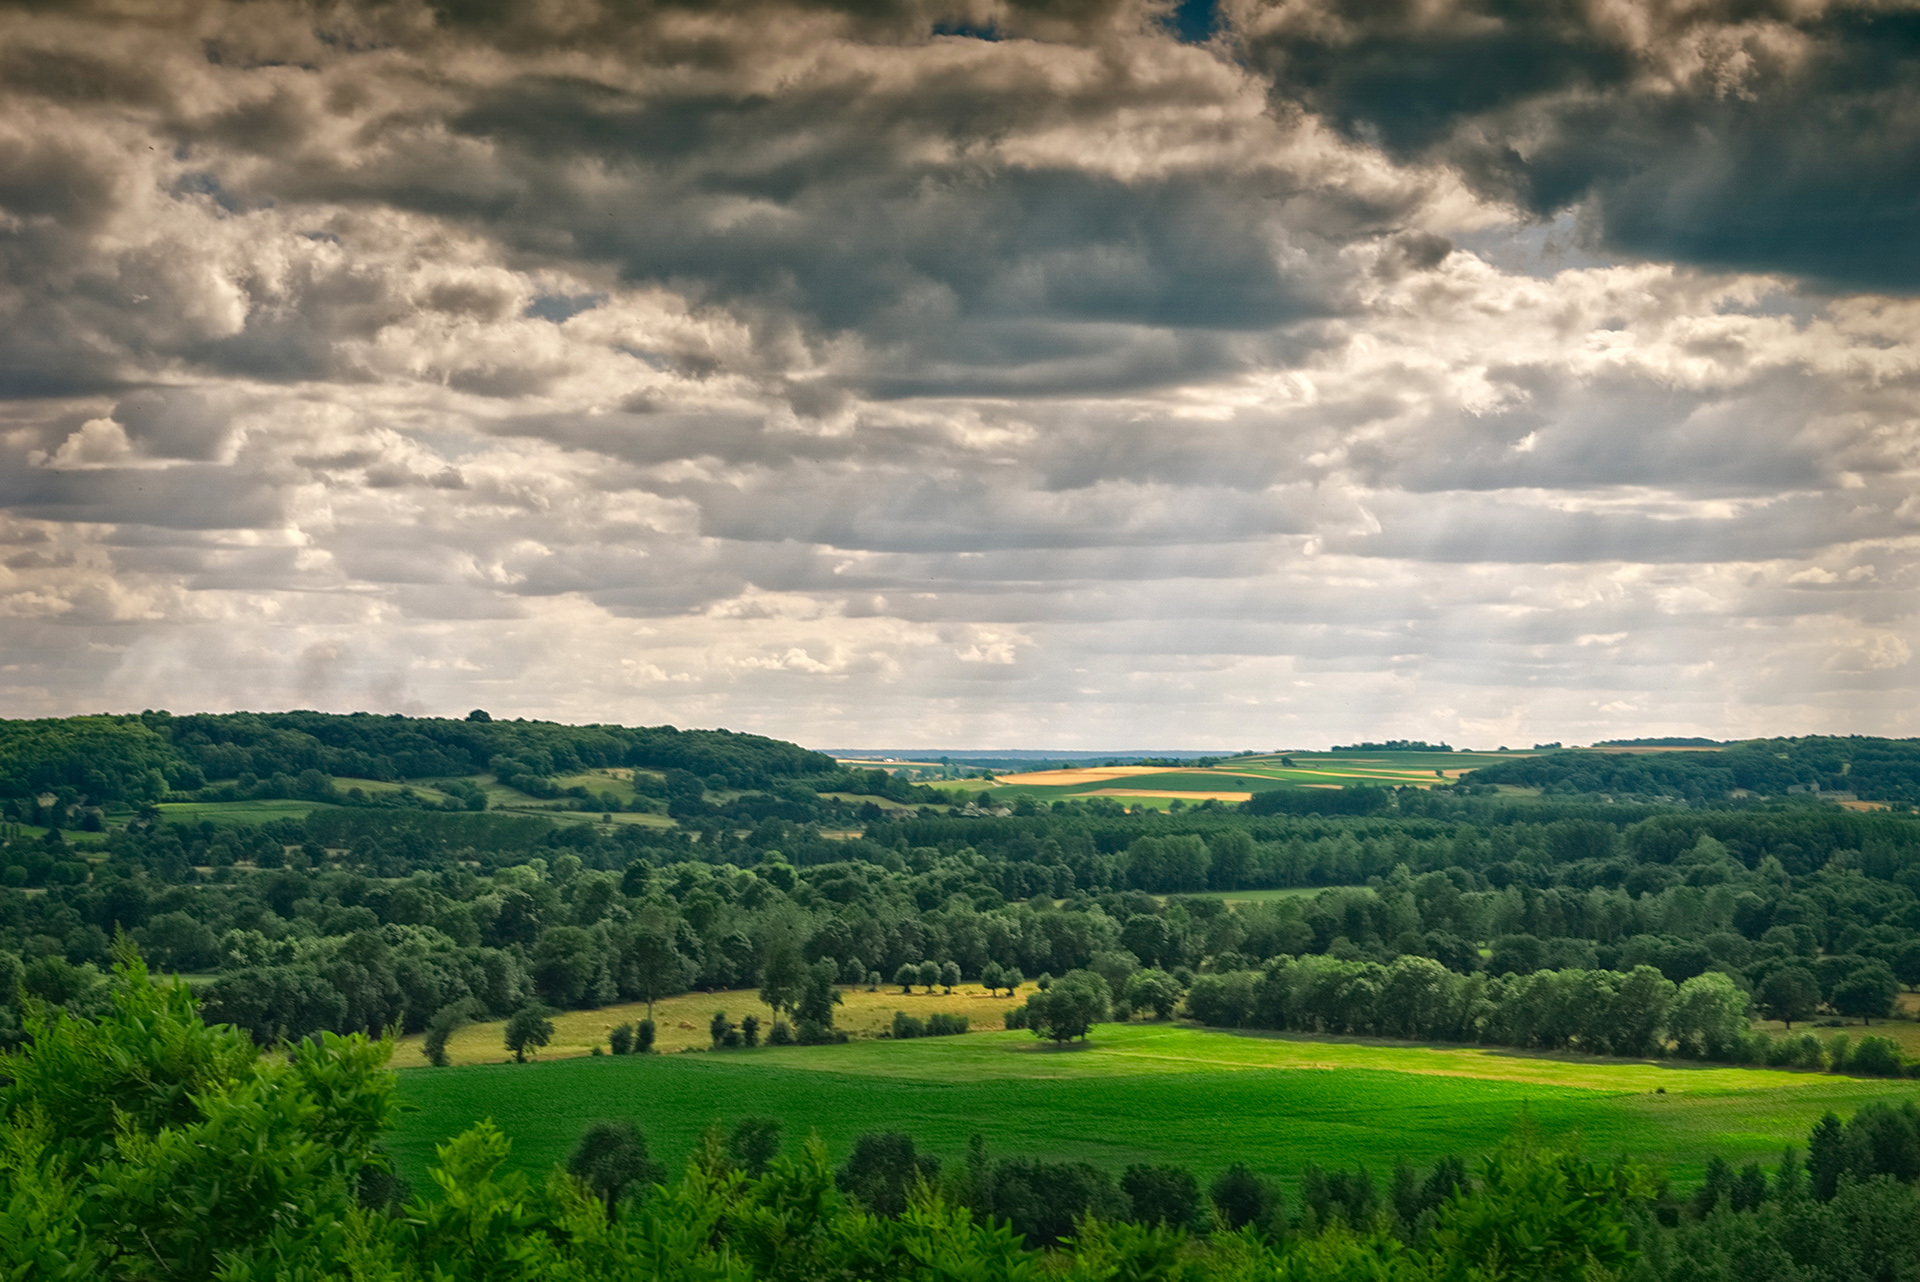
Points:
(1137, 1093)
(235, 813)
(681, 1021)
(1243, 776)
(1231, 898)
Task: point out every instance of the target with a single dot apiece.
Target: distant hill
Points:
(1868, 768)
(137, 758)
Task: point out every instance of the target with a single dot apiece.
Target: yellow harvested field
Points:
(682, 1021)
(1073, 778)
(1169, 792)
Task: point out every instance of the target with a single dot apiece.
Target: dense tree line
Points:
(1638, 1013)
(142, 1143)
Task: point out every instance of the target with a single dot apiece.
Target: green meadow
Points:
(1141, 1093)
(230, 813)
(1231, 897)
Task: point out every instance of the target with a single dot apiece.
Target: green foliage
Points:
(1243, 1199)
(610, 1159)
(1153, 990)
(752, 1145)
(883, 1170)
(1788, 994)
(1069, 1007)
(448, 1020)
(1867, 991)
(1539, 1216)
(528, 1029)
(144, 1143)
(104, 759)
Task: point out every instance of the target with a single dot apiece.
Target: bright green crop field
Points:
(1145, 1093)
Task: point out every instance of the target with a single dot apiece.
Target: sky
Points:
(968, 373)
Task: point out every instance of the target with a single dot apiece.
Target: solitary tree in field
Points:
(446, 1021)
(1070, 1006)
(929, 974)
(949, 975)
(907, 976)
(528, 1029)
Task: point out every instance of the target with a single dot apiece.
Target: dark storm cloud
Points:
(1756, 136)
(191, 497)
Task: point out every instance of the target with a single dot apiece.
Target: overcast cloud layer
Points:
(1064, 373)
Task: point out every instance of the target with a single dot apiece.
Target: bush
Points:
(1839, 1052)
(1017, 1017)
(722, 1031)
(782, 1034)
(643, 1038)
(882, 1169)
(620, 1039)
(750, 1030)
(1876, 1057)
(1244, 1199)
(905, 1026)
(810, 1032)
(942, 1025)
(1042, 1200)
(1163, 1195)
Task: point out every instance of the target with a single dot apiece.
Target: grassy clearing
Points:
(1144, 1093)
(681, 1021)
(382, 787)
(1231, 897)
(234, 813)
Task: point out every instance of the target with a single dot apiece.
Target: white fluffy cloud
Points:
(810, 371)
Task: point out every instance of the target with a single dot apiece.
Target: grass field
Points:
(1144, 1093)
(1260, 896)
(1254, 774)
(233, 813)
